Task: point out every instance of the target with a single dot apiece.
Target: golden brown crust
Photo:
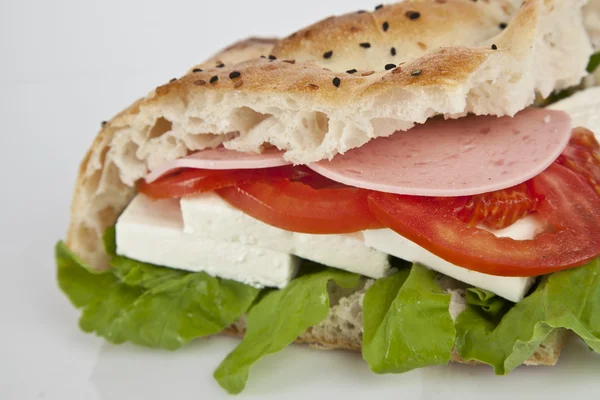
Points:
(301, 69)
(317, 84)
(247, 49)
(364, 40)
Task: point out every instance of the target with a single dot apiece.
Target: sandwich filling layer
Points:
(205, 233)
(238, 217)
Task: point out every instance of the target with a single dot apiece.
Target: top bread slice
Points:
(450, 58)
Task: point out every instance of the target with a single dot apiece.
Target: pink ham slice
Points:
(222, 158)
(461, 157)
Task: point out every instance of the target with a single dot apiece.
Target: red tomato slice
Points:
(569, 204)
(190, 182)
(298, 207)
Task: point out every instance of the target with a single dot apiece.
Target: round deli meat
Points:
(447, 158)
(222, 158)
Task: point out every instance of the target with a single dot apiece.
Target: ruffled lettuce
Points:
(149, 305)
(568, 299)
(278, 319)
(407, 322)
(486, 301)
(594, 63)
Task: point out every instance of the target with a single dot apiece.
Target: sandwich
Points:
(396, 182)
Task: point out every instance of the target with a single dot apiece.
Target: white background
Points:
(66, 65)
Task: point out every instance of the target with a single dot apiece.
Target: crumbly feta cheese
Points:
(210, 216)
(152, 232)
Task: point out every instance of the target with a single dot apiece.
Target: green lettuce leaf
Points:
(487, 301)
(149, 305)
(594, 62)
(277, 320)
(407, 322)
(109, 239)
(568, 299)
(81, 284)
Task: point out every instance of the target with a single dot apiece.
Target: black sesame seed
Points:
(173, 80)
(416, 72)
(195, 70)
(379, 7)
(390, 66)
(214, 79)
(365, 45)
(386, 26)
(272, 57)
(263, 57)
(351, 71)
(361, 12)
(494, 47)
(413, 14)
(220, 65)
(328, 54)
(337, 82)
(103, 123)
(235, 74)
(503, 25)
(393, 51)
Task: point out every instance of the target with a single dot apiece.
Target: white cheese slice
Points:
(210, 216)
(152, 232)
(511, 288)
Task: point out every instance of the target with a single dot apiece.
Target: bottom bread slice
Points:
(342, 329)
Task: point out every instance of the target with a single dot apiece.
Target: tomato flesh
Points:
(192, 182)
(291, 198)
(583, 157)
(569, 204)
(298, 207)
(500, 209)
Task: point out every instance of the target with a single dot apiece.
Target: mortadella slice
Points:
(221, 159)
(461, 157)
